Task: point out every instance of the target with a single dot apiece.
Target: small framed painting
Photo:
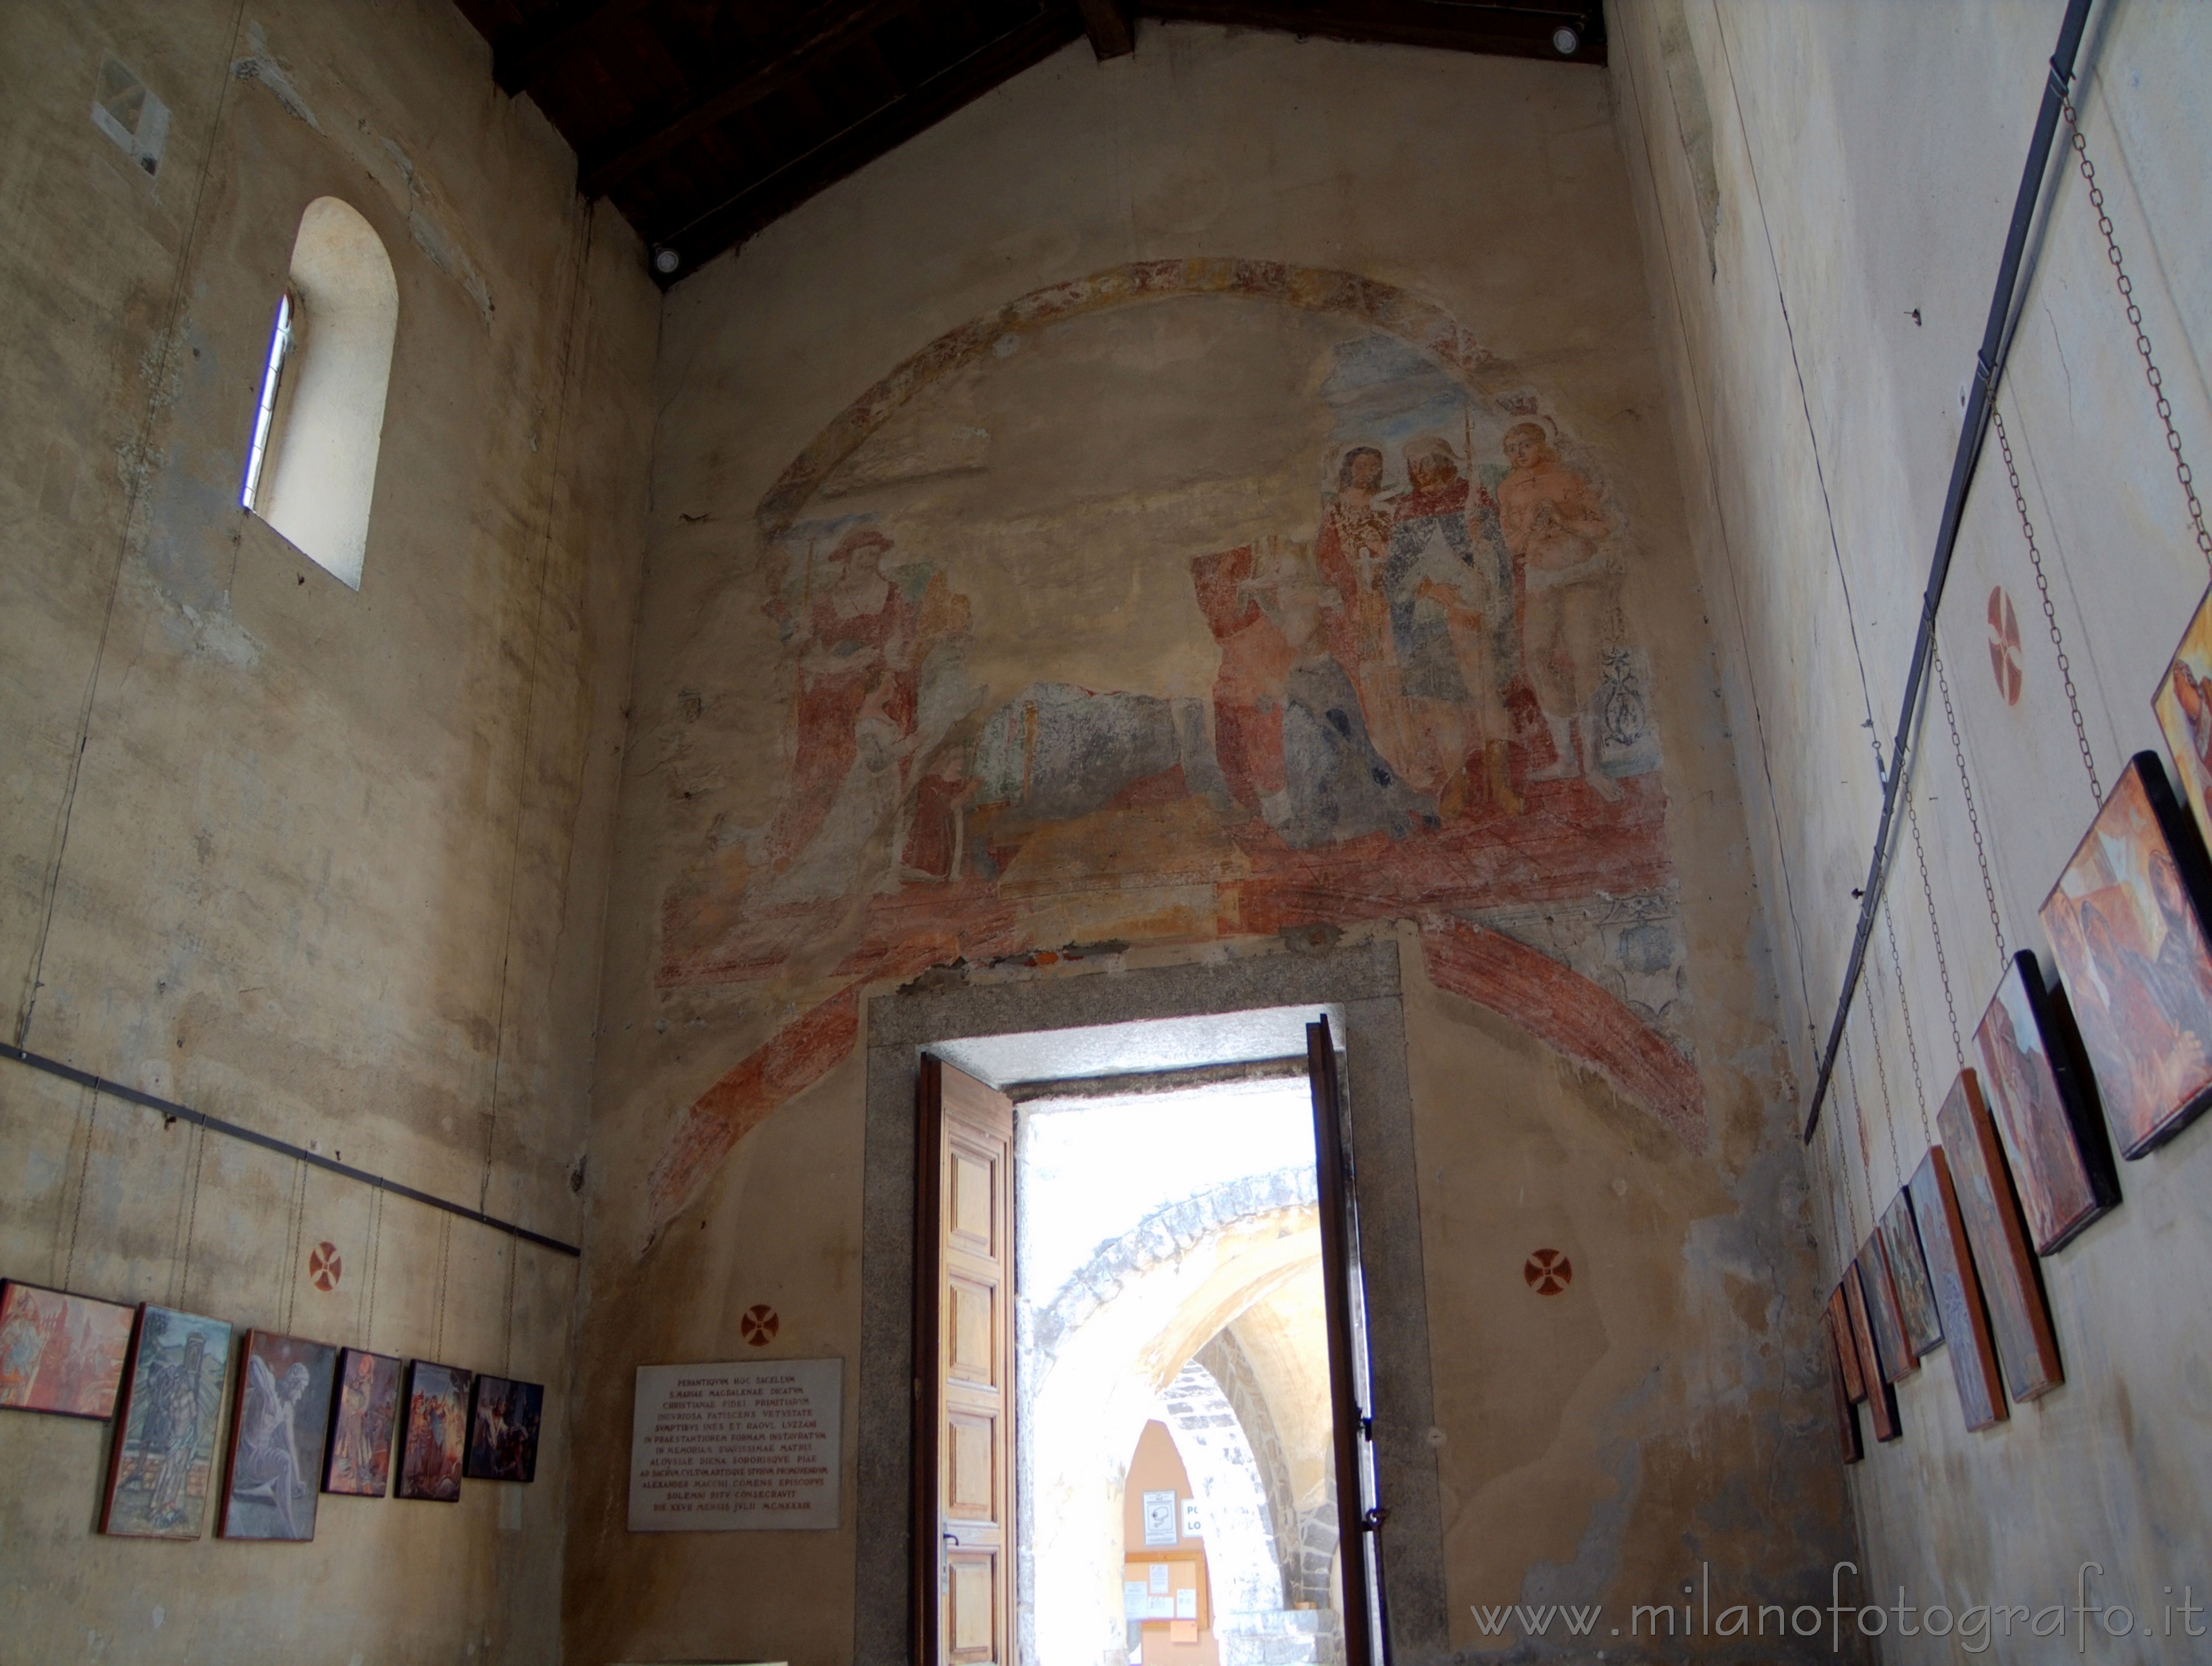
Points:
(2014, 1289)
(361, 1423)
(1847, 1353)
(1848, 1446)
(60, 1353)
(2126, 927)
(1958, 1292)
(2045, 1107)
(436, 1433)
(503, 1429)
(161, 1466)
(1916, 1311)
(1881, 1399)
(276, 1438)
(1899, 1359)
(2184, 705)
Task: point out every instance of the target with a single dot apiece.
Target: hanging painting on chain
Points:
(276, 1436)
(2184, 705)
(361, 1425)
(1958, 1292)
(60, 1353)
(162, 1460)
(1917, 1314)
(1881, 1399)
(503, 1429)
(1898, 1358)
(2039, 1092)
(437, 1431)
(1848, 1444)
(2018, 1317)
(2126, 927)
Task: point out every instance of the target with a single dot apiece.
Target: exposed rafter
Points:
(746, 211)
(1112, 27)
(565, 30)
(702, 120)
(780, 63)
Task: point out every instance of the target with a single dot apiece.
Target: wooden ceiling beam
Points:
(925, 104)
(1112, 27)
(777, 64)
(1507, 30)
(531, 52)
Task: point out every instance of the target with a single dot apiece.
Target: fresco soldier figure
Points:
(1556, 531)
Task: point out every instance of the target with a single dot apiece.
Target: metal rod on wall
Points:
(283, 1147)
(1989, 365)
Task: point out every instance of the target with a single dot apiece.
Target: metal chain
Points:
(1904, 1007)
(2164, 406)
(1888, 1109)
(1858, 1123)
(1973, 821)
(2049, 611)
(1935, 930)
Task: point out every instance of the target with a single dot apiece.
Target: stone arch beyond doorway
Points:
(1360, 982)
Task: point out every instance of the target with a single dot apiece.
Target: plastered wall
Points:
(1008, 615)
(1822, 193)
(327, 864)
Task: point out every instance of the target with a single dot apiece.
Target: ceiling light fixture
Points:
(1565, 39)
(666, 261)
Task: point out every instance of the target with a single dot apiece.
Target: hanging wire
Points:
(1936, 931)
(192, 1219)
(1888, 1110)
(2050, 611)
(84, 1174)
(375, 1253)
(2151, 375)
(1904, 1007)
(1974, 819)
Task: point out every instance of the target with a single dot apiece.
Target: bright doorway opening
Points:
(1177, 1429)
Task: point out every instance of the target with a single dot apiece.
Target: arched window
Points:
(311, 470)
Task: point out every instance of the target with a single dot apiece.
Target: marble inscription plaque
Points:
(722, 1448)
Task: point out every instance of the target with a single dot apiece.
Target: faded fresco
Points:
(1330, 628)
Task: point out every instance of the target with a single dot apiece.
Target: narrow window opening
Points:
(280, 346)
(311, 470)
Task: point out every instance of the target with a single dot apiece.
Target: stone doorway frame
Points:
(1361, 981)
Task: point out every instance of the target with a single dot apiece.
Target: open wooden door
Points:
(964, 1506)
(1359, 1504)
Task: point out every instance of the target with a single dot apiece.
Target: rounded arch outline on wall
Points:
(1575, 1016)
(1410, 316)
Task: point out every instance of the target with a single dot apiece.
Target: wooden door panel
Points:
(972, 1608)
(963, 1270)
(975, 1182)
(972, 1352)
(971, 1492)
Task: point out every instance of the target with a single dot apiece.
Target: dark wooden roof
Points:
(702, 120)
